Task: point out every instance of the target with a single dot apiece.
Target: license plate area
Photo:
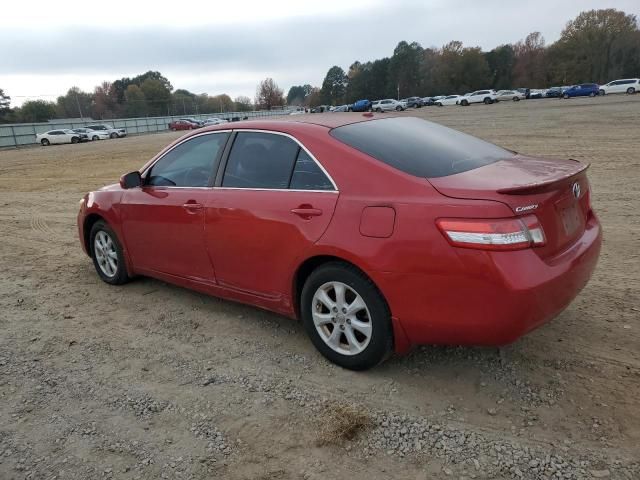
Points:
(571, 218)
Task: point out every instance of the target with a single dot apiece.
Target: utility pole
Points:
(79, 109)
(398, 91)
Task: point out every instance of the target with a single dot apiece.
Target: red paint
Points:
(247, 245)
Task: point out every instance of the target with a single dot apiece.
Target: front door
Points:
(273, 203)
(163, 221)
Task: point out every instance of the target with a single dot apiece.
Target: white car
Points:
(516, 96)
(113, 132)
(93, 134)
(58, 136)
(214, 121)
(387, 105)
(479, 96)
(448, 100)
(625, 85)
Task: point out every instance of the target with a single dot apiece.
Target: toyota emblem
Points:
(575, 188)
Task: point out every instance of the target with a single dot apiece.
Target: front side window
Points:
(190, 164)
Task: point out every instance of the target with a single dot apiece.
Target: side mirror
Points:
(131, 180)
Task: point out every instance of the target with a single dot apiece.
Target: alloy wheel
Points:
(105, 251)
(341, 318)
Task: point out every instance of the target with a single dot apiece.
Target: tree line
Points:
(597, 46)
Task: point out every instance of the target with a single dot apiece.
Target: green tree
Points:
(269, 95)
(184, 102)
(334, 86)
(157, 95)
(135, 101)
(74, 104)
(501, 61)
(404, 69)
(37, 111)
(5, 106)
(592, 45)
(297, 94)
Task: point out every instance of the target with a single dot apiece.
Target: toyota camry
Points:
(377, 232)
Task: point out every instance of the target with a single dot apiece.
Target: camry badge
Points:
(575, 188)
(526, 208)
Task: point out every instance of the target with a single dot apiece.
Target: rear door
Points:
(272, 202)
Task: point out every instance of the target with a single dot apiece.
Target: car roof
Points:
(327, 120)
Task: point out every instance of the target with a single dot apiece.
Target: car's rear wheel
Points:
(113, 135)
(107, 255)
(516, 99)
(602, 92)
(438, 104)
(379, 110)
(45, 142)
(487, 101)
(95, 137)
(631, 90)
(464, 103)
(346, 316)
(75, 139)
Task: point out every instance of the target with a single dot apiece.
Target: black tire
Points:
(121, 275)
(516, 99)
(380, 344)
(113, 135)
(438, 104)
(95, 137)
(75, 140)
(487, 101)
(379, 110)
(631, 90)
(602, 93)
(464, 103)
(350, 109)
(44, 142)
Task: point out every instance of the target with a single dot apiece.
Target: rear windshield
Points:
(418, 147)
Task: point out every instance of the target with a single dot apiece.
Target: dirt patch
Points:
(154, 381)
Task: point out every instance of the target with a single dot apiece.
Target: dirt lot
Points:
(154, 381)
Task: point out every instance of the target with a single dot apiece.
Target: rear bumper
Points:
(515, 293)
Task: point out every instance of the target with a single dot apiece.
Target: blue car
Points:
(582, 90)
(360, 106)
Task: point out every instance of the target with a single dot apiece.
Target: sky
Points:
(219, 47)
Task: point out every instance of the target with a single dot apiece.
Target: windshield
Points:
(418, 147)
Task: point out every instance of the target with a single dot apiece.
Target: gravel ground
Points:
(152, 381)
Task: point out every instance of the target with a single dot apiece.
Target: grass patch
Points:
(341, 423)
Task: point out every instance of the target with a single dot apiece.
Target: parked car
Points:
(525, 91)
(199, 123)
(65, 135)
(625, 85)
(513, 95)
(360, 106)
(341, 108)
(182, 125)
(448, 100)
(582, 90)
(536, 93)
(479, 96)
(387, 105)
(214, 121)
(428, 101)
(554, 92)
(113, 132)
(93, 134)
(486, 244)
(414, 102)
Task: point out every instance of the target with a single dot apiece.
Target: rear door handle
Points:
(306, 212)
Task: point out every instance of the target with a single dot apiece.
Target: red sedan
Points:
(378, 233)
(183, 125)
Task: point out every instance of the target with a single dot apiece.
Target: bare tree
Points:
(269, 95)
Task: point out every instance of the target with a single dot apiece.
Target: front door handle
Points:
(192, 206)
(306, 212)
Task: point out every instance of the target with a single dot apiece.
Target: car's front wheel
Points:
(107, 255)
(602, 92)
(346, 316)
(464, 103)
(95, 137)
(565, 96)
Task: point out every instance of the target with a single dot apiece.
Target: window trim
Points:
(223, 164)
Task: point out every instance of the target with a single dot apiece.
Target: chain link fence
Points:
(20, 134)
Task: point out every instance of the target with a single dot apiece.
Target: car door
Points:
(55, 136)
(163, 220)
(273, 202)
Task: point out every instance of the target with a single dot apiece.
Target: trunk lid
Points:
(555, 191)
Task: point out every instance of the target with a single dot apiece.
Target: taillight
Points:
(493, 234)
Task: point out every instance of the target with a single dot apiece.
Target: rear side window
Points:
(271, 161)
(418, 147)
